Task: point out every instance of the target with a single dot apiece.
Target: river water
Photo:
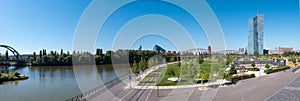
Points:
(57, 83)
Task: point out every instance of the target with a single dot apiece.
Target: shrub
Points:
(178, 64)
(277, 69)
(241, 77)
(232, 71)
(253, 69)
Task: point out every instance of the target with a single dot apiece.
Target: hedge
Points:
(241, 77)
(253, 69)
(277, 69)
(250, 69)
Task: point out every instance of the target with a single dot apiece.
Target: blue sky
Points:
(32, 25)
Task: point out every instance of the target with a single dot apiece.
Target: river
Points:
(56, 83)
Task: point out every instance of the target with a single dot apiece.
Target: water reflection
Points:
(54, 83)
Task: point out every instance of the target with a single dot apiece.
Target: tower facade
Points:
(255, 35)
(209, 50)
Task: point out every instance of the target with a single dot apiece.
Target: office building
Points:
(159, 49)
(282, 50)
(255, 35)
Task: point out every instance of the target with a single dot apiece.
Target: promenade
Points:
(267, 87)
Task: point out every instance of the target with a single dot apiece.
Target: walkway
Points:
(255, 89)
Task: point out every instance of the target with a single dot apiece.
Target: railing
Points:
(99, 89)
(83, 96)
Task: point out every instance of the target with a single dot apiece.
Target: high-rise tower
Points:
(256, 35)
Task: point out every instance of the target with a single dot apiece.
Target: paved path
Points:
(255, 89)
(290, 92)
(124, 90)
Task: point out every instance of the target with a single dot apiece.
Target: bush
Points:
(178, 64)
(277, 69)
(241, 77)
(253, 69)
(232, 71)
(173, 70)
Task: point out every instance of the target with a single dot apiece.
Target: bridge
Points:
(196, 51)
(18, 58)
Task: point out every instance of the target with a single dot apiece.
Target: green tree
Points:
(253, 64)
(6, 55)
(267, 66)
(45, 60)
(135, 68)
(107, 57)
(170, 71)
(61, 51)
(256, 53)
(200, 59)
(179, 64)
(41, 54)
(143, 65)
(34, 56)
(99, 52)
(232, 71)
(98, 59)
(203, 75)
(151, 62)
(31, 60)
(173, 70)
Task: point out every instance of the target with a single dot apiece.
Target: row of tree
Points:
(142, 57)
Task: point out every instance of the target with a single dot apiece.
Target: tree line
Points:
(54, 58)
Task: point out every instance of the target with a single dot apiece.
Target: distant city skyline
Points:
(33, 25)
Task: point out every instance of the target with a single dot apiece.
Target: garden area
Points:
(196, 71)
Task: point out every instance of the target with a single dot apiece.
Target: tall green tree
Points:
(232, 71)
(6, 55)
(200, 59)
(41, 54)
(61, 51)
(203, 75)
(256, 53)
(99, 52)
(34, 56)
(143, 65)
(135, 68)
(253, 64)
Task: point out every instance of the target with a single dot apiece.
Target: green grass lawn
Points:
(189, 72)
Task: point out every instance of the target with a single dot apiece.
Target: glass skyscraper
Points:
(256, 35)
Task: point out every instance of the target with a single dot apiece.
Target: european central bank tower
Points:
(256, 35)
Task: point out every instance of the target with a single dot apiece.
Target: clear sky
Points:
(31, 25)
